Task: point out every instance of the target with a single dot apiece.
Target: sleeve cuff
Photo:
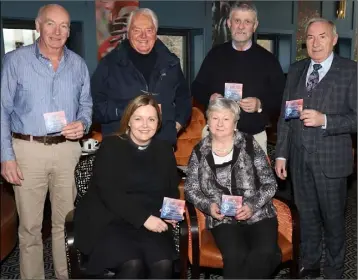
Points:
(85, 125)
(281, 158)
(325, 122)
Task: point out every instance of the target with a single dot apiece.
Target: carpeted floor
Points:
(10, 266)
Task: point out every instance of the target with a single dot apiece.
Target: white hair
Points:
(244, 6)
(219, 104)
(144, 11)
(319, 19)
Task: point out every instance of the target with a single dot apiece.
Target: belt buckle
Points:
(46, 143)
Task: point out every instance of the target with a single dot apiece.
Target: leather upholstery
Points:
(181, 189)
(96, 136)
(8, 227)
(210, 255)
(188, 138)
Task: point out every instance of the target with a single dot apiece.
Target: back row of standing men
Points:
(46, 77)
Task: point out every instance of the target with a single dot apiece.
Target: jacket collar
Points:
(164, 56)
(303, 65)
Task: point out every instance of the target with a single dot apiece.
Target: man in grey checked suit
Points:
(318, 147)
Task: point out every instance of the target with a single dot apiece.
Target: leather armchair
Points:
(189, 137)
(9, 221)
(76, 260)
(202, 251)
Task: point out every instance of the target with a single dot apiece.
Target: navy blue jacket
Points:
(117, 81)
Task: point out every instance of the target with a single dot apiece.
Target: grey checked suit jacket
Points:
(338, 100)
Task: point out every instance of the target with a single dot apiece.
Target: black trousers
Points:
(249, 251)
(321, 203)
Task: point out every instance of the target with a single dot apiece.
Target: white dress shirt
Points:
(245, 49)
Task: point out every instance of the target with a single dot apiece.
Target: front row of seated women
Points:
(118, 224)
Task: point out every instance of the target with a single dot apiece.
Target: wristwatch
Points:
(84, 125)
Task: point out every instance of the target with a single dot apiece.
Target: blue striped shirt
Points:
(30, 87)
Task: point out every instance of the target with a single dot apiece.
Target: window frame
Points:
(275, 38)
(185, 33)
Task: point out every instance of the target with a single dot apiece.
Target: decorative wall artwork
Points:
(220, 14)
(111, 23)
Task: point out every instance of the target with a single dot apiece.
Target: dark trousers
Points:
(249, 251)
(321, 203)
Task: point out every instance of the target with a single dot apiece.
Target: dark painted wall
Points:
(278, 17)
(80, 11)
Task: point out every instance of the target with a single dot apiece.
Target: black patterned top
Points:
(250, 175)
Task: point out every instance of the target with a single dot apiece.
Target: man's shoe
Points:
(311, 273)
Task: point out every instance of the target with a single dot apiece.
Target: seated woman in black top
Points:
(117, 222)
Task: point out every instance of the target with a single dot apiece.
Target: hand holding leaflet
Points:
(233, 91)
(172, 209)
(55, 121)
(230, 204)
(293, 109)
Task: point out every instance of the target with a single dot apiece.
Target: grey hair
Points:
(219, 104)
(144, 11)
(45, 7)
(319, 19)
(244, 6)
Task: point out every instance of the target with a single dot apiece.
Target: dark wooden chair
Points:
(76, 261)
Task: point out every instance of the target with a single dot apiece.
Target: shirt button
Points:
(50, 65)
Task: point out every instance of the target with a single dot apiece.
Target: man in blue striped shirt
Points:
(46, 107)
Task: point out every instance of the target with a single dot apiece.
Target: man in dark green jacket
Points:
(141, 64)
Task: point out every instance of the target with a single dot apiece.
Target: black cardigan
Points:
(128, 185)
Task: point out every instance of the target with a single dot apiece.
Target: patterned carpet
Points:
(10, 266)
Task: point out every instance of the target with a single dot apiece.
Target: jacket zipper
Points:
(163, 72)
(143, 80)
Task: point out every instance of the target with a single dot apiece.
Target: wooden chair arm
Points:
(193, 232)
(71, 251)
(295, 226)
(183, 248)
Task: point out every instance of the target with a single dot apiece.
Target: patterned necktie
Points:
(313, 78)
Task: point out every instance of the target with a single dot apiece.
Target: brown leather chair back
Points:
(210, 255)
(188, 138)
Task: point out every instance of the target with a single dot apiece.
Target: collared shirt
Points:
(245, 49)
(30, 87)
(326, 65)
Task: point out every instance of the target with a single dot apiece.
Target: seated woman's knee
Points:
(161, 269)
(234, 256)
(266, 253)
(132, 269)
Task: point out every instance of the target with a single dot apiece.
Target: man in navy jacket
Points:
(141, 64)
